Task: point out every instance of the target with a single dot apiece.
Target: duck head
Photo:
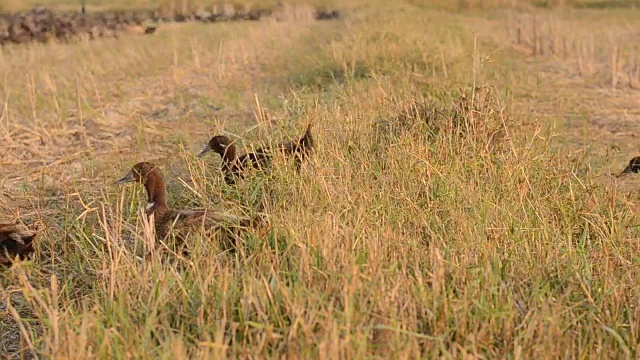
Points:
(150, 176)
(633, 167)
(222, 145)
(15, 240)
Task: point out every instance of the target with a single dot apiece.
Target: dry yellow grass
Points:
(599, 48)
(438, 217)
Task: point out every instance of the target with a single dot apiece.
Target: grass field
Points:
(459, 204)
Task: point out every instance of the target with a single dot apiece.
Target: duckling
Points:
(233, 165)
(15, 240)
(633, 167)
(165, 217)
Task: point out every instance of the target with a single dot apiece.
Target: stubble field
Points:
(459, 202)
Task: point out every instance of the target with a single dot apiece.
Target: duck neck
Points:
(230, 154)
(156, 193)
(306, 141)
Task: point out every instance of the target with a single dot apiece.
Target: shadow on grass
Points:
(330, 74)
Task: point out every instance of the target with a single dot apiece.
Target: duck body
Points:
(233, 166)
(182, 221)
(299, 149)
(15, 241)
(632, 167)
(165, 218)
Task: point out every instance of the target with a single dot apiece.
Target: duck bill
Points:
(126, 179)
(204, 151)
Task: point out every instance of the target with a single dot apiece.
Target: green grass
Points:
(440, 215)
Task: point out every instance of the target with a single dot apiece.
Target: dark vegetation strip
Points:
(43, 25)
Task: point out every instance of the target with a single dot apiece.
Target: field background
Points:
(459, 204)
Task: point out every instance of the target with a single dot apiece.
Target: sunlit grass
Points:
(432, 219)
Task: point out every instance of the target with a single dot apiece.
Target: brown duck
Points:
(15, 241)
(165, 218)
(632, 167)
(233, 165)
